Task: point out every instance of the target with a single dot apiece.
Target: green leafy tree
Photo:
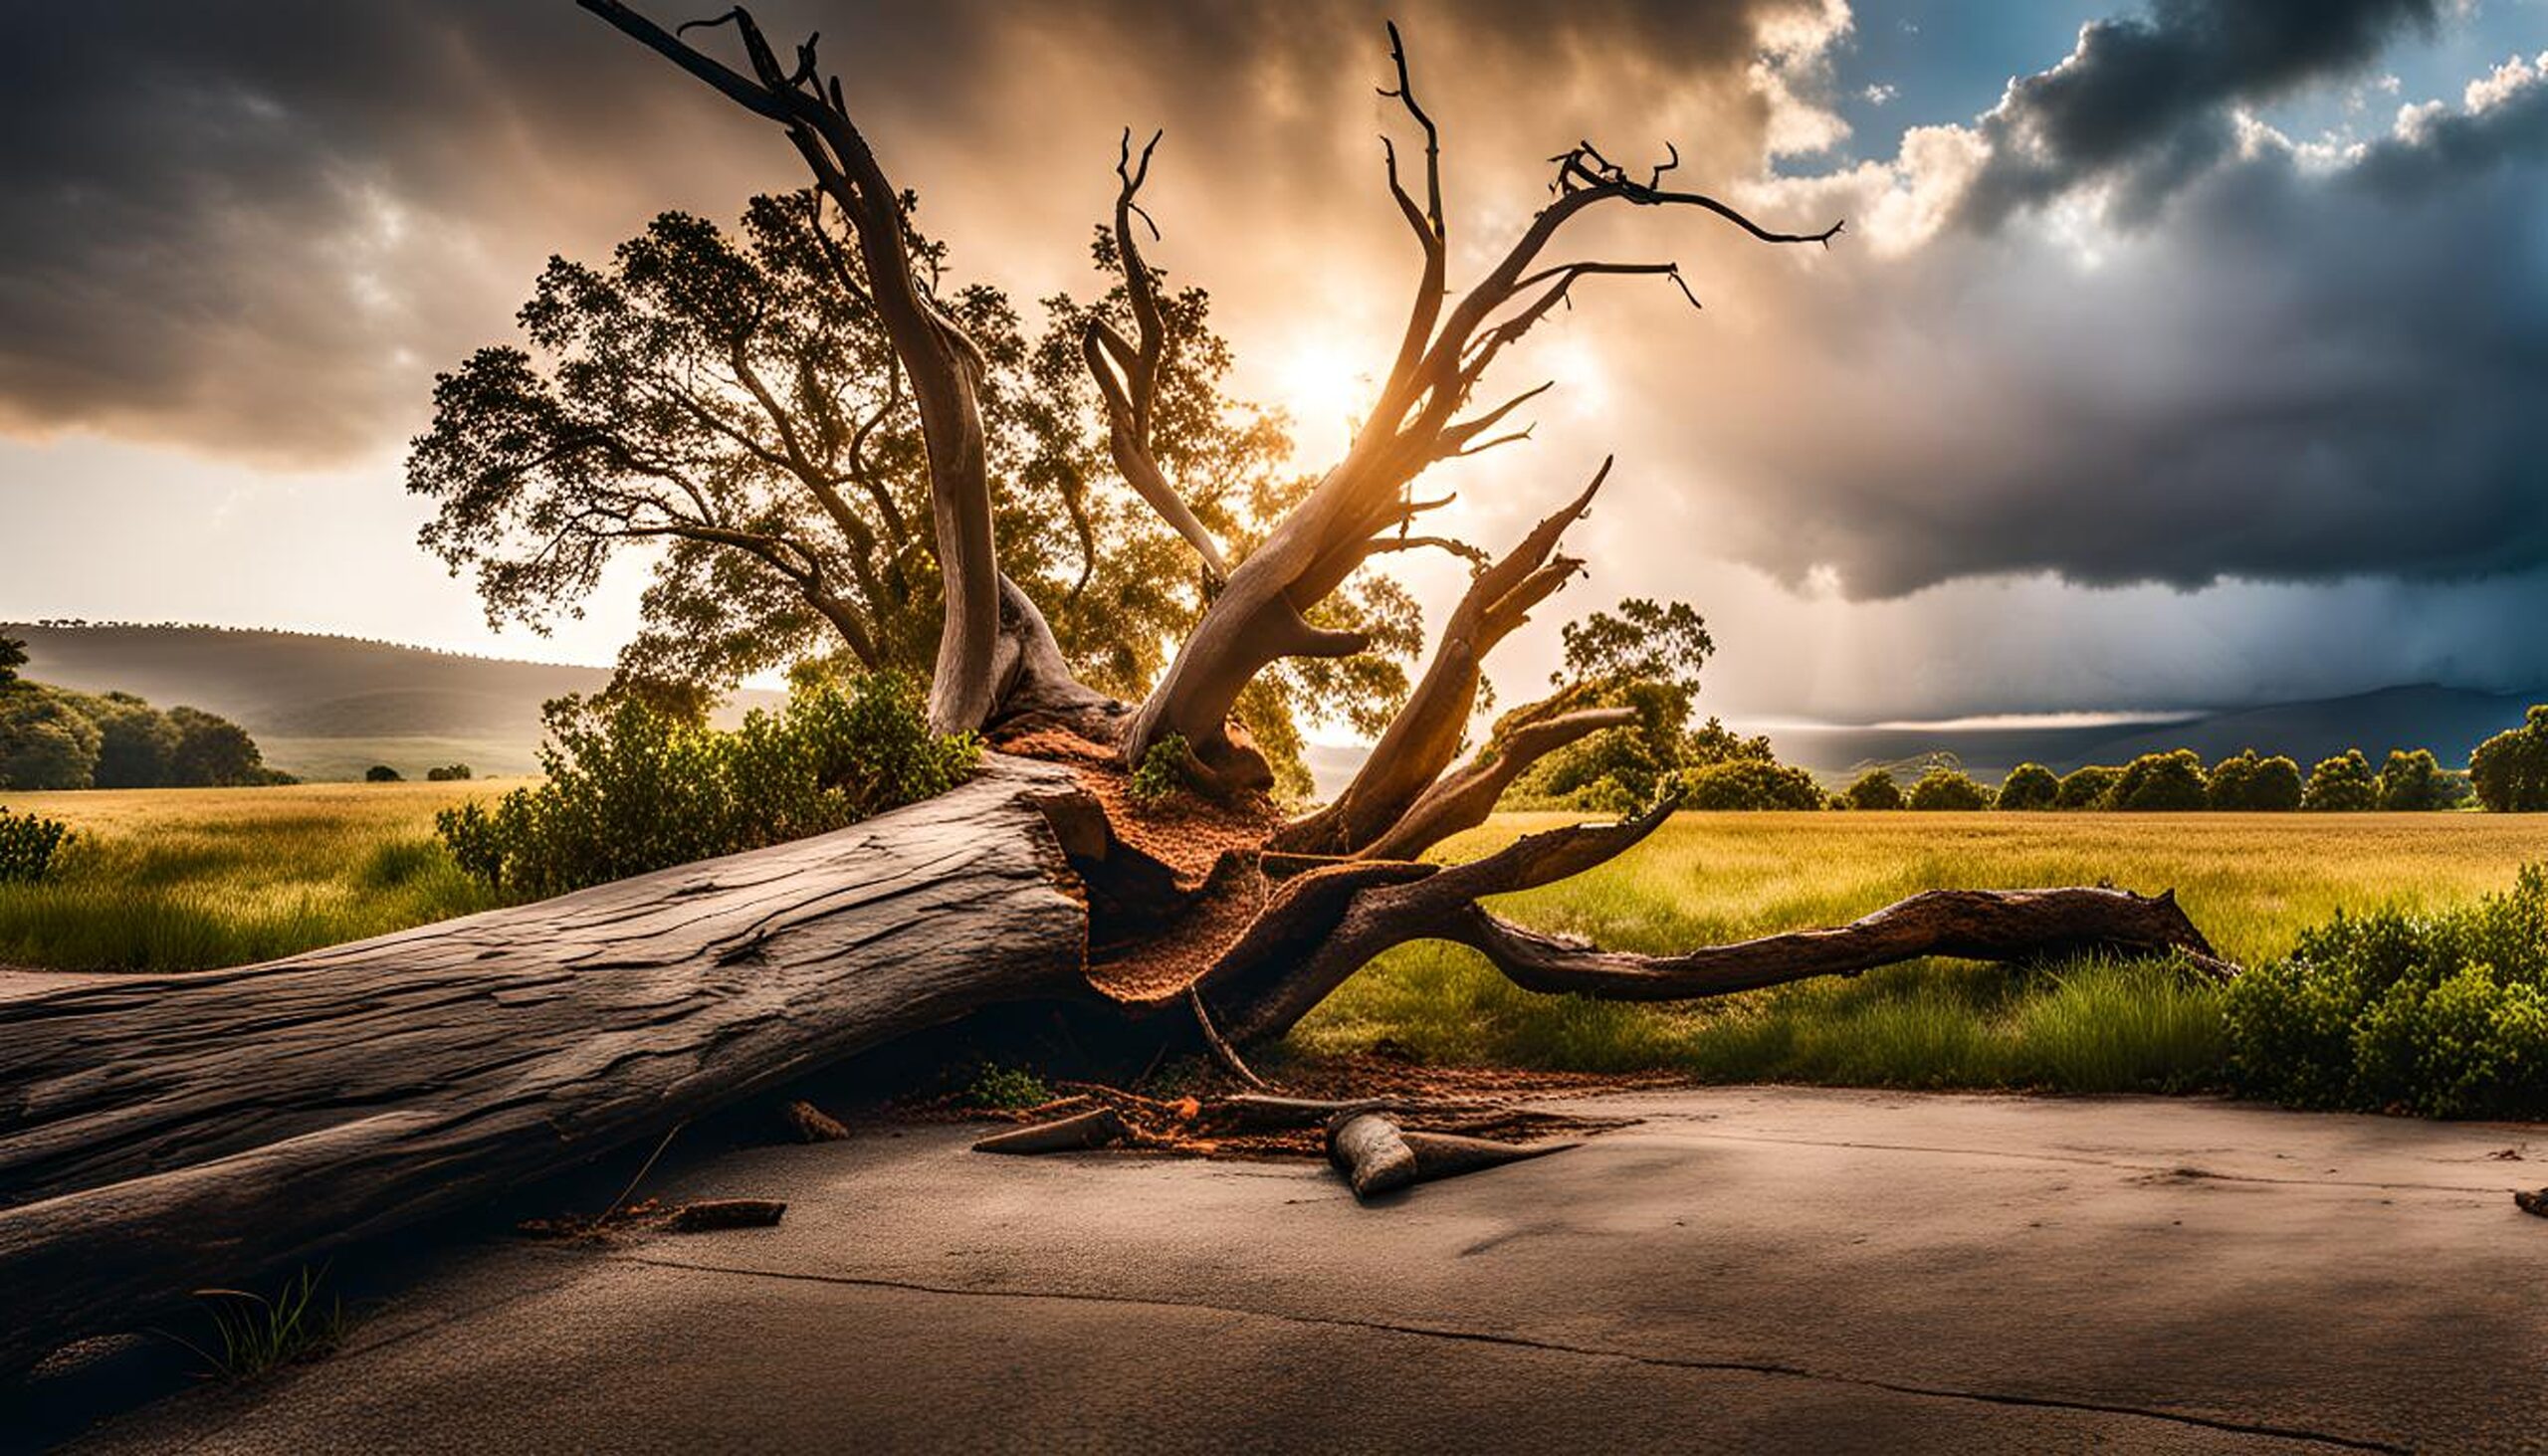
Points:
(1945, 786)
(13, 656)
(213, 753)
(46, 743)
(2245, 781)
(731, 404)
(1646, 656)
(2509, 771)
(2090, 786)
(382, 773)
(2171, 781)
(135, 741)
(1873, 789)
(2414, 781)
(2342, 785)
(1748, 783)
(2028, 786)
(449, 773)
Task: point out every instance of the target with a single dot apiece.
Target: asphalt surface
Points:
(1747, 1269)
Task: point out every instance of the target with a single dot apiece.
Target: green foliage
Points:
(1007, 1086)
(1748, 783)
(382, 773)
(252, 1334)
(46, 743)
(1164, 772)
(13, 656)
(1946, 786)
(2243, 781)
(630, 788)
(2443, 1014)
(449, 773)
(2028, 786)
(2413, 781)
(1873, 789)
(2088, 787)
(726, 403)
(2342, 785)
(2172, 781)
(1646, 657)
(26, 845)
(2509, 771)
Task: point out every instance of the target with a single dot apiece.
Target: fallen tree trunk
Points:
(162, 1133)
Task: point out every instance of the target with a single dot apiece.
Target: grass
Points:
(252, 1334)
(2253, 882)
(184, 879)
(177, 879)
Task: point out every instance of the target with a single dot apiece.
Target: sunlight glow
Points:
(1325, 390)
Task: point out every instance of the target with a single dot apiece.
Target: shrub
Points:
(2509, 771)
(1875, 789)
(1007, 1086)
(1945, 786)
(2028, 786)
(2171, 783)
(26, 844)
(2342, 785)
(1163, 774)
(2245, 781)
(631, 788)
(2088, 787)
(449, 773)
(2443, 1015)
(382, 773)
(1748, 783)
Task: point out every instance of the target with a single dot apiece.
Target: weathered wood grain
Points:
(161, 1134)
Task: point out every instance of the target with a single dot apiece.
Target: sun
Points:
(1326, 390)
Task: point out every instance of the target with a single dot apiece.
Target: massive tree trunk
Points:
(165, 1132)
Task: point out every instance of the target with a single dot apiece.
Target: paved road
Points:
(1745, 1270)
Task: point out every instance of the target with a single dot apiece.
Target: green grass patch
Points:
(187, 879)
(2255, 883)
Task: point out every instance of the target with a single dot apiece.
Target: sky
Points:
(2190, 353)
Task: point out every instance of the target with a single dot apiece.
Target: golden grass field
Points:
(176, 879)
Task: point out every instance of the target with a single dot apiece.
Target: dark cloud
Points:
(2144, 101)
(257, 229)
(2311, 365)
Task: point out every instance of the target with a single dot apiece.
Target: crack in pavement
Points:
(1522, 1342)
(2083, 1161)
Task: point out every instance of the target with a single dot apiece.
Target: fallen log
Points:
(1377, 1156)
(163, 1133)
(1098, 1128)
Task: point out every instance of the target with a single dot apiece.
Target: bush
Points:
(2342, 785)
(631, 788)
(2245, 781)
(1750, 783)
(1875, 789)
(2509, 771)
(44, 741)
(2443, 1015)
(2155, 782)
(382, 773)
(2028, 786)
(449, 773)
(1947, 787)
(26, 844)
(1162, 774)
(2086, 788)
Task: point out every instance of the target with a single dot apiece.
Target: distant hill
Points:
(2449, 720)
(327, 708)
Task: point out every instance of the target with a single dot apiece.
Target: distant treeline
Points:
(2508, 773)
(55, 738)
